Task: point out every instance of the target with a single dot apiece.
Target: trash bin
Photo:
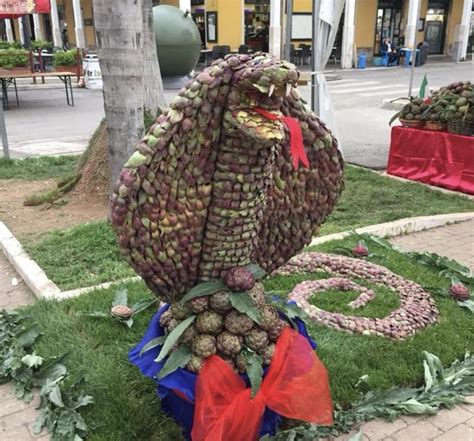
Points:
(362, 60)
(92, 73)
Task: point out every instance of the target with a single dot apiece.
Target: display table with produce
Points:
(433, 157)
(435, 143)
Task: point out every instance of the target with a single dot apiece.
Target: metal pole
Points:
(413, 54)
(315, 65)
(288, 29)
(3, 129)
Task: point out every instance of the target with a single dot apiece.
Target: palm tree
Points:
(130, 73)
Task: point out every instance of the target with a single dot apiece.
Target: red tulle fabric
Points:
(296, 136)
(296, 386)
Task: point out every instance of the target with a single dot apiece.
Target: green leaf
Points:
(203, 289)
(394, 117)
(120, 298)
(469, 304)
(27, 337)
(254, 371)
(173, 337)
(52, 371)
(413, 406)
(244, 304)
(157, 341)
(178, 359)
(142, 306)
(128, 323)
(32, 360)
(357, 436)
(84, 400)
(39, 422)
(55, 396)
(257, 271)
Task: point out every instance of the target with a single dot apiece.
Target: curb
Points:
(44, 288)
(77, 292)
(28, 269)
(396, 104)
(401, 227)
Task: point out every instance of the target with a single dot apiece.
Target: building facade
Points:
(446, 25)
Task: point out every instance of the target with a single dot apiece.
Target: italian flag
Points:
(424, 88)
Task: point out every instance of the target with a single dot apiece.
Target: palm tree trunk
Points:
(122, 35)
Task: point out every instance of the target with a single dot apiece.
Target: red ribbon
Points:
(296, 136)
(296, 386)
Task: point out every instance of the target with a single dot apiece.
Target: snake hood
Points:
(214, 185)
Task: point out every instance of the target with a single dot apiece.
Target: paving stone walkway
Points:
(16, 417)
(454, 241)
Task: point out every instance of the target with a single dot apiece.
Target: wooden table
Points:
(9, 78)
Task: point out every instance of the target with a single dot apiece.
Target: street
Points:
(44, 124)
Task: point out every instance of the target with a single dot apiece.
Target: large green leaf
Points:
(244, 304)
(173, 337)
(27, 337)
(203, 289)
(141, 306)
(254, 371)
(469, 304)
(158, 341)
(120, 298)
(257, 271)
(178, 359)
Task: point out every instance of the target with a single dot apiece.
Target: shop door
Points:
(389, 15)
(434, 36)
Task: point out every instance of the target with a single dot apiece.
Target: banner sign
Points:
(23, 7)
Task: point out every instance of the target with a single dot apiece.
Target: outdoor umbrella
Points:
(18, 8)
(326, 17)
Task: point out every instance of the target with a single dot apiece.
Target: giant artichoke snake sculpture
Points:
(216, 184)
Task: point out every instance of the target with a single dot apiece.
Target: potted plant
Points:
(66, 61)
(14, 59)
(40, 45)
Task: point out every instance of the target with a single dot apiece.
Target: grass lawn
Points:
(42, 167)
(87, 255)
(125, 404)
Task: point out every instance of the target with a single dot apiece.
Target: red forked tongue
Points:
(296, 136)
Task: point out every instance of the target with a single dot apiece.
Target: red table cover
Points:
(436, 158)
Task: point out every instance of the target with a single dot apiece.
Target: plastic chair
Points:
(216, 53)
(224, 51)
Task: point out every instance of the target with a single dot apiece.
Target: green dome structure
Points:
(178, 42)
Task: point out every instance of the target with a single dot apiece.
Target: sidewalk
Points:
(454, 241)
(16, 417)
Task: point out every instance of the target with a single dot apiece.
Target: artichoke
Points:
(256, 339)
(240, 362)
(229, 343)
(220, 302)
(267, 354)
(204, 345)
(459, 292)
(238, 323)
(276, 329)
(239, 279)
(257, 293)
(195, 364)
(188, 335)
(199, 304)
(166, 318)
(268, 317)
(209, 322)
(179, 312)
